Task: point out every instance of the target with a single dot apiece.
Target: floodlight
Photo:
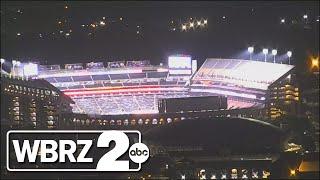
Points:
(250, 49)
(265, 51)
(274, 52)
(2, 60)
(289, 54)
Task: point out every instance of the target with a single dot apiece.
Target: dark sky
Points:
(245, 23)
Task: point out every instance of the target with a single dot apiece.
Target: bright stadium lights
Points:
(191, 24)
(289, 54)
(198, 23)
(15, 63)
(274, 53)
(283, 21)
(205, 21)
(265, 52)
(250, 50)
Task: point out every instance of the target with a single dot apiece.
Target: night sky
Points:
(62, 32)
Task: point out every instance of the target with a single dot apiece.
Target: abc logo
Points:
(139, 153)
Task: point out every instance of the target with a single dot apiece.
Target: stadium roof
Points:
(251, 74)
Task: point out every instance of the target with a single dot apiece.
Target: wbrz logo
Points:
(75, 151)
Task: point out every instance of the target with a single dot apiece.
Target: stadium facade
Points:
(32, 103)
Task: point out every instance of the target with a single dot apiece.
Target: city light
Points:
(283, 21)
(184, 27)
(305, 16)
(191, 24)
(315, 62)
(102, 23)
(205, 21)
(292, 172)
(198, 23)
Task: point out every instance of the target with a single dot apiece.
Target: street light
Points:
(265, 52)
(250, 50)
(289, 54)
(274, 53)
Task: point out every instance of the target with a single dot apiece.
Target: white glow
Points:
(184, 27)
(244, 74)
(250, 49)
(191, 24)
(2, 60)
(183, 176)
(283, 20)
(30, 69)
(205, 21)
(305, 16)
(199, 23)
(183, 62)
(102, 23)
(289, 53)
(265, 51)
(18, 34)
(274, 52)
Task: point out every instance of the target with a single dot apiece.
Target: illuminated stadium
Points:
(135, 87)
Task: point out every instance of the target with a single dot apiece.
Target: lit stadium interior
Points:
(135, 88)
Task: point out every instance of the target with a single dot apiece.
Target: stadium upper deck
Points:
(240, 73)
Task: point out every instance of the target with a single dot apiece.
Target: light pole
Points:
(274, 53)
(265, 52)
(250, 50)
(289, 54)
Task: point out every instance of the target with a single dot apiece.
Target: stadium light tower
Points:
(250, 50)
(274, 53)
(289, 54)
(265, 52)
(15, 63)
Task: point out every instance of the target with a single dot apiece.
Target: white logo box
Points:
(62, 132)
